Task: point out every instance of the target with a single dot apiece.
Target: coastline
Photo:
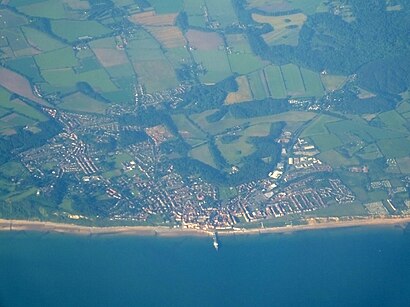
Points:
(163, 231)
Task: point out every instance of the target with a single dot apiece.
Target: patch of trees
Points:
(178, 146)
(132, 137)
(86, 89)
(182, 21)
(257, 108)
(386, 76)
(204, 97)
(25, 139)
(149, 117)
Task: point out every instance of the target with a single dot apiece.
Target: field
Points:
(275, 6)
(332, 82)
(59, 58)
(168, 36)
(151, 19)
(79, 102)
(336, 160)
(258, 85)
(153, 69)
(393, 120)
(274, 79)
(292, 117)
(192, 134)
(202, 154)
(285, 28)
(215, 63)
(41, 40)
(318, 126)
(17, 84)
(166, 7)
(222, 12)
(395, 148)
(243, 93)
(205, 41)
(293, 80)
(312, 83)
(72, 30)
(235, 151)
(326, 141)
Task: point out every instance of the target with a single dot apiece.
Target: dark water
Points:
(349, 267)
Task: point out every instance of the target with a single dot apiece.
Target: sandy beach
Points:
(22, 225)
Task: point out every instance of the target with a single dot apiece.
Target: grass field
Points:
(395, 148)
(285, 28)
(55, 9)
(16, 83)
(244, 63)
(22, 108)
(41, 40)
(275, 82)
(27, 67)
(79, 102)
(335, 159)
(216, 64)
(67, 78)
(72, 30)
(235, 151)
(370, 152)
(243, 93)
(293, 80)
(292, 117)
(258, 85)
(393, 120)
(202, 154)
(60, 58)
(312, 82)
(326, 141)
(166, 7)
(192, 134)
(222, 11)
(318, 126)
(332, 82)
(156, 75)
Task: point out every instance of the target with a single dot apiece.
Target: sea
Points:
(338, 267)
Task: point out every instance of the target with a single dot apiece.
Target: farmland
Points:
(169, 110)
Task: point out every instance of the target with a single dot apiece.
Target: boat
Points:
(215, 239)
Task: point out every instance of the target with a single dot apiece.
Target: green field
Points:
(55, 9)
(79, 102)
(166, 7)
(258, 85)
(395, 148)
(312, 82)
(67, 78)
(192, 134)
(293, 80)
(72, 30)
(41, 40)
(27, 67)
(216, 64)
(60, 58)
(222, 11)
(326, 141)
(393, 120)
(202, 154)
(335, 159)
(318, 126)
(235, 151)
(332, 82)
(275, 82)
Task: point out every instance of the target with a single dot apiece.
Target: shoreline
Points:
(163, 231)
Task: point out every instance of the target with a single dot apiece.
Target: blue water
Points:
(344, 267)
